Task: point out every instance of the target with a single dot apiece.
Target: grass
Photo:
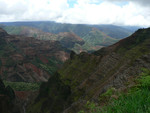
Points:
(137, 100)
(23, 86)
(97, 37)
(51, 67)
(107, 94)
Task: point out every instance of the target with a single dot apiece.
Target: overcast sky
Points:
(118, 12)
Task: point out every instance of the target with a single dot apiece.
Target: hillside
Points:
(26, 59)
(53, 27)
(98, 38)
(64, 38)
(117, 32)
(86, 77)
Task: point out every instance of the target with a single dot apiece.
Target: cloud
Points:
(140, 2)
(106, 13)
(32, 9)
(83, 11)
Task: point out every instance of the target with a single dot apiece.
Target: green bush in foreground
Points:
(23, 86)
(137, 100)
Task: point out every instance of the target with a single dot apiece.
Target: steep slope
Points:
(98, 38)
(86, 76)
(117, 32)
(27, 59)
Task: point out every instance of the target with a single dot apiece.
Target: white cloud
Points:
(84, 11)
(141, 2)
(107, 13)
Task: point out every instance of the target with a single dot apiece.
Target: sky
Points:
(117, 12)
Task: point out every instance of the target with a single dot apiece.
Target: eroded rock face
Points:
(27, 59)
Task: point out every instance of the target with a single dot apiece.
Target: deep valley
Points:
(62, 70)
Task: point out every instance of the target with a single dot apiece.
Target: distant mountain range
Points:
(92, 37)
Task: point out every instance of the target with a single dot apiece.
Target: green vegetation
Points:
(134, 47)
(83, 63)
(116, 31)
(105, 96)
(135, 101)
(98, 38)
(88, 75)
(23, 86)
(144, 80)
(13, 29)
(51, 67)
(136, 52)
(48, 68)
(80, 67)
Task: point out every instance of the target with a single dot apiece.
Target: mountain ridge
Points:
(90, 41)
(86, 76)
(94, 36)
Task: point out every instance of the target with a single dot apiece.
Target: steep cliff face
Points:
(28, 59)
(86, 76)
